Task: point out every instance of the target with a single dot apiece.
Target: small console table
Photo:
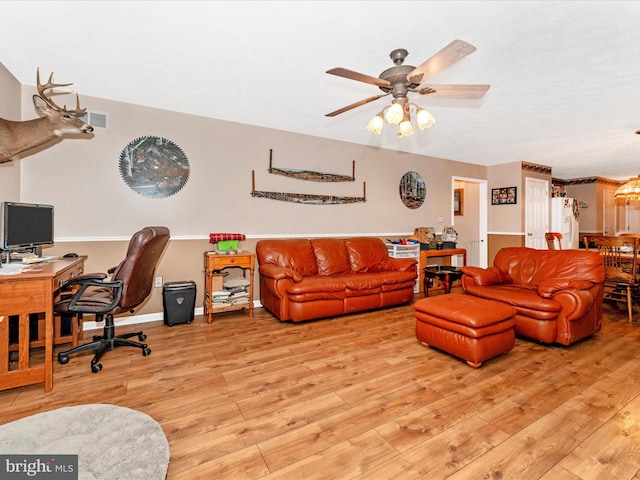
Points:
(214, 262)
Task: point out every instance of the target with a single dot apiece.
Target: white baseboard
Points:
(146, 318)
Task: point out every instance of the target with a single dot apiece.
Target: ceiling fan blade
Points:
(454, 91)
(360, 77)
(455, 51)
(354, 105)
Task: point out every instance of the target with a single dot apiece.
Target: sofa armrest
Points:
(550, 287)
(397, 264)
(576, 303)
(484, 276)
(278, 273)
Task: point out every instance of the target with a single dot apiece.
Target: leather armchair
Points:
(557, 294)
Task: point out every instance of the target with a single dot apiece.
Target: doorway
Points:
(470, 218)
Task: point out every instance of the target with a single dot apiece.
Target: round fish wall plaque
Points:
(412, 189)
(154, 167)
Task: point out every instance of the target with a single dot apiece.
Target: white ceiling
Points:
(564, 75)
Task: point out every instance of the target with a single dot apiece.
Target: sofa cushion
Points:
(523, 298)
(376, 282)
(296, 254)
(532, 267)
(317, 287)
(487, 276)
(332, 256)
(548, 288)
(366, 253)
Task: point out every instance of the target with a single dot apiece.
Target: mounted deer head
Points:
(18, 137)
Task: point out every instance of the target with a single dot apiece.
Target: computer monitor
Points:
(25, 225)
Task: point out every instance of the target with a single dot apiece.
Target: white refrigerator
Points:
(565, 218)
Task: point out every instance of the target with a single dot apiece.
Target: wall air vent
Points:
(96, 119)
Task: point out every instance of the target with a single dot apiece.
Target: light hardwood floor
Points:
(357, 397)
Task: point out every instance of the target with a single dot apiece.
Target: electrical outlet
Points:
(158, 282)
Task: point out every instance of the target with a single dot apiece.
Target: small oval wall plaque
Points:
(412, 189)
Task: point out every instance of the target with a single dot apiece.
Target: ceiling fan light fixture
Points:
(375, 124)
(394, 114)
(424, 118)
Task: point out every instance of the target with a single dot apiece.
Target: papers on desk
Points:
(38, 259)
(12, 268)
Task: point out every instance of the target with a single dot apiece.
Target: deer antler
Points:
(49, 85)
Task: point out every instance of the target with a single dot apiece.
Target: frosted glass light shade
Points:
(424, 118)
(405, 129)
(375, 124)
(394, 114)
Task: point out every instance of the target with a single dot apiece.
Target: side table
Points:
(446, 255)
(214, 262)
(446, 274)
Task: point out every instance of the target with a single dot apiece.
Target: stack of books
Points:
(233, 293)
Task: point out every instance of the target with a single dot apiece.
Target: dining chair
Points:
(551, 238)
(620, 259)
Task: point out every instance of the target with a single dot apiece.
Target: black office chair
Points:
(129, 286)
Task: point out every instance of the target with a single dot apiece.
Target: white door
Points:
(632, 216)
(537, 212)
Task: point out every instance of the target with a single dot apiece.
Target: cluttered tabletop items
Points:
(227, 243)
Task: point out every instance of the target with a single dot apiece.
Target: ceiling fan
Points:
(401, 80)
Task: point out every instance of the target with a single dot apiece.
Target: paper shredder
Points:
(178, 300)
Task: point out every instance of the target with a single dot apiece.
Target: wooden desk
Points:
(446, 254)
(32, 291)
(216, 261)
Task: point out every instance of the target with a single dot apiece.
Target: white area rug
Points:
(112, 443)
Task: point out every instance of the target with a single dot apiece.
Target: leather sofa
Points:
(305, 279)
(557, 293)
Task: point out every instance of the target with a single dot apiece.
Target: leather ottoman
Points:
(471, 328)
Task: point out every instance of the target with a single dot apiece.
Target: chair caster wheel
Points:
(142, 337)
(96, 367)
(63, 359)
(146, 351)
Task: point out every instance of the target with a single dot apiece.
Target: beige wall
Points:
(590, 217)
(10, 110)
(96, 212)
(505, 219)
(82, 179)
(507, 223)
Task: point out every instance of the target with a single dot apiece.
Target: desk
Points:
(32, 291)
(446, 253)
(214, 262)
